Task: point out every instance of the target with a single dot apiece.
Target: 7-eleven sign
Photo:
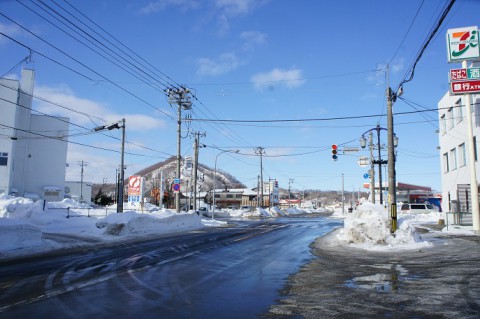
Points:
(463, 44)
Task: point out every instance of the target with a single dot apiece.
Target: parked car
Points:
(246, 208)
(203, 211)
(417, 208)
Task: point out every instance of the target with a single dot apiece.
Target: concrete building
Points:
(33, 148)
(79, 191)
(454, 148)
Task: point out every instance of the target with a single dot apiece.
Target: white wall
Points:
(8, 92)
(37, 162)
(450, 139)
(78, 190)
(47, 157)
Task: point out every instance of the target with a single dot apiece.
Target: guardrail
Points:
(459, 218)
(83, 212)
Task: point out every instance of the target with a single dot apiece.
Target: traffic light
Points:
(334, 152)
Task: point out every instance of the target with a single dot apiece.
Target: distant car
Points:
(231, 207)
(417, 208)
(246, 208)
(203, 211)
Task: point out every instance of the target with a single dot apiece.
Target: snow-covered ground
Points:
(24, 223)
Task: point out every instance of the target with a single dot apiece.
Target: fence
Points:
(459, 218)
(83, 212)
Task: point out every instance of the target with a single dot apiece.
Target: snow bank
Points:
(16, 234)
(132, 223)
(18, 207)
(368, 228)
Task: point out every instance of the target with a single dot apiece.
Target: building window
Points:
(443, 124)
(462, 155)
(238, 196)
(217, 195)
(453, 159)
(450, 118)
(3, 159)
(445, 163)
(229, 195)
(459, 110)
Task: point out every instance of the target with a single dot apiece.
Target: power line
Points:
(411, 70)
(311, 119)
(88, 130)
(170, 81)
(77, 143)
(119, 60)
(408, 31)
(84, 65)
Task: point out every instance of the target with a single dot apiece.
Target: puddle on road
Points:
(391, 279)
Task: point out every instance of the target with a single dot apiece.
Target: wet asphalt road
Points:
(438, 282)
(230, 272)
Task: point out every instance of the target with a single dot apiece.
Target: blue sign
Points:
(176, 180)
(366, 175)
(134, 199)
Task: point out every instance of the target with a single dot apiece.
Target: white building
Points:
(33, 148)
(454, 150)
(79, 191)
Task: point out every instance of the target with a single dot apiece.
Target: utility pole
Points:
(258, 190)
(343, 195)
(82, 164)
(196, 146)
(122, 170)
(161, 189)
(392, 187)
(290, 181)
(372, 170)
(260, 151)
(180, 97)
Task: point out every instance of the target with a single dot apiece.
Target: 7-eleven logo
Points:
(463, 44)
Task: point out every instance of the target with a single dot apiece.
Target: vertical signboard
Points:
(462, 44)
(135, 189)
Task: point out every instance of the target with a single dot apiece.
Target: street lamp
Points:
(379, 161)
(215, 176)
(118, 125)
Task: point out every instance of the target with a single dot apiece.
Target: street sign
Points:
(457, 75)
(366, 176)
(350, 149)
(465, 87)
(176, 180)
(176, 188)
(463, 44)
(363, 161)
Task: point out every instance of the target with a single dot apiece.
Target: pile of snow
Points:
(368, 227)
(23, 223)
(132, 223)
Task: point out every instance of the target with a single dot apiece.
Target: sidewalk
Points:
(442, 281)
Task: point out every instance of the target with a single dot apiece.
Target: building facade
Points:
(33, 148)
(454, 150)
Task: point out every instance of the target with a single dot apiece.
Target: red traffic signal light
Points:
(334, 152)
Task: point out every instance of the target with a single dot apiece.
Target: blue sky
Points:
(321, 62)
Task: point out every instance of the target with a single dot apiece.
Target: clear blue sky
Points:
(244, 60)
